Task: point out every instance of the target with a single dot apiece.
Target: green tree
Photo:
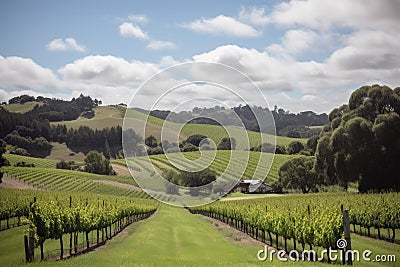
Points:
(196, 179)
(189, 147)
(151, 141)
(196, 139)
(96, 163)
(362, 141)
(174, 179)
(295, 147)
(3, 161)
(298, 173)
(227, 144)
(312, 143)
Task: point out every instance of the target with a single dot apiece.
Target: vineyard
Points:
(220, 163)
(53, 215)
(72, 181)
(315, 220)
(37, 162)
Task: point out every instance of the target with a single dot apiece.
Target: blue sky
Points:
(302, 54)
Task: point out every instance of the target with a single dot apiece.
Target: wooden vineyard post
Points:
(27, 252)
(346, 225)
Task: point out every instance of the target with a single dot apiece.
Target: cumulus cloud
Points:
(324, 15)
(160, 45)
(139, 18)
(222, 25)
(295, 42)
(127, 29)
(254, 16)
(107, 70)
(69, 44)
(24, 73)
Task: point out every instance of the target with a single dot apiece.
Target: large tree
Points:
(3, 161)
(362, 141)
(298, 173)
(227, 144)
(196, 179)
(96, 163)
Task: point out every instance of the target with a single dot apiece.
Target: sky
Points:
(302, 55)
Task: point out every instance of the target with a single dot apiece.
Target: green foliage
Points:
(66, 165)
(96, 163)
(196, 139)
(3, 161)
(295, 147)
(227, 144)
(362, 141)
(298, 173)
(312, 143)
(151, 141)
(188, 147)
(197, 179)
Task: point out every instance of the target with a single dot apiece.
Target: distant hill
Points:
(286, 123)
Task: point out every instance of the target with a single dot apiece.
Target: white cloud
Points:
(69, 44)
(160, 45)
(254, 16)
(107, 70)
(222, 25)
(326, 14)
(24, 73)
(139, 18)
(295, 42)
(127, 29)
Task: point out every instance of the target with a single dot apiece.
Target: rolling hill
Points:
(108, 116)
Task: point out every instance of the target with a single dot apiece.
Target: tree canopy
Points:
(298, 173)
(361, 143)
(96, 163)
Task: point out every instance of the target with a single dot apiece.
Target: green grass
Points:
(38, 162)
(18, 108)
(61, 151)
(105, 116)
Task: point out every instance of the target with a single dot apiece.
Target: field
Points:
(18, 108)
(105, 116)
(61, 151)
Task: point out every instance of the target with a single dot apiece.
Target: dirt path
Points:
(118, 184)
(120, 170)
(9, 182)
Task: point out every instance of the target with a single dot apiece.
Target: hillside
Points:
(21, 108)
(108, 116)
(219, 164)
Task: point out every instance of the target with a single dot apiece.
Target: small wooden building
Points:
(252, 186)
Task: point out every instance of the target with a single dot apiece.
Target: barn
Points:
(252, 186)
